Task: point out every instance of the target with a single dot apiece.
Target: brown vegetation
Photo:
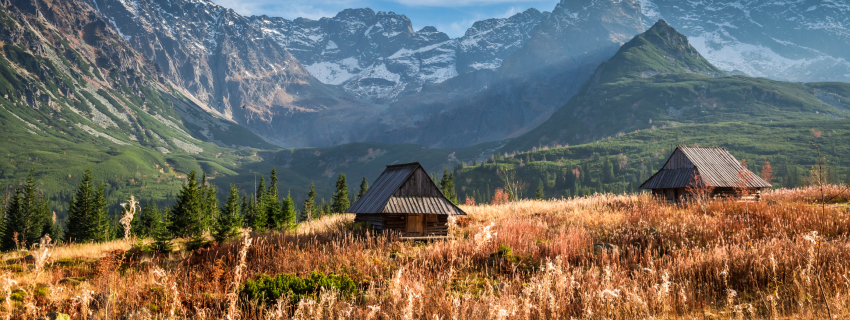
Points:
(604, 256)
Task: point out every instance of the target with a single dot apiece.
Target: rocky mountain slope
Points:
(659, 80)
(379, 56)
(798, 41)
(223, 60)
(531, 83)
(73, 94)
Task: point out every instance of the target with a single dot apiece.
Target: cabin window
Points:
(431, 218)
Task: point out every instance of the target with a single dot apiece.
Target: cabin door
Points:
(414, 224)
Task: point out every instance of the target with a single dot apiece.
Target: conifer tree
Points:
(275, 220)
(340, 198)
(326, 208)
(229, 219)
(246, 209)
(609, 171)
(145, 223)
(539, 194)
(259, 219)
(162, 236)
(15, 222)
(185, 218)
(288, 212)
(209, 203)
(309, 204)
(447, 186)
(25, 216)
(364, 186)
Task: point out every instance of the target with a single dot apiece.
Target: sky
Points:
(450, 16)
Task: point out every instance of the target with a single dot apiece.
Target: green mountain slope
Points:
(621, 164)
(74, 95)
(658, 80)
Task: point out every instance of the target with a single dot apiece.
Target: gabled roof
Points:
(715, 166)
(384, 195)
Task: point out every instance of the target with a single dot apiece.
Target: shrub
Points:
(267, 289)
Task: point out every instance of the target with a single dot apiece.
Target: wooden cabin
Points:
(714, 168)
(405, 200)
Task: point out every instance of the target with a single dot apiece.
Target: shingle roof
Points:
(715, 166)
(383, 195)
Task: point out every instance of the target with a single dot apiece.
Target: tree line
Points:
(26, 215)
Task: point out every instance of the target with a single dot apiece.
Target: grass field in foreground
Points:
(604, 256)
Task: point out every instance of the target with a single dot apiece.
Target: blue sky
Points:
(450, 16)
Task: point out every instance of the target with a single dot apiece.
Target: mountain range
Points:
(151, 89)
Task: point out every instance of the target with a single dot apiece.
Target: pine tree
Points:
(539, 194)
(326, 208)
(229, 220)
(185, 218)
(162, 236)
(27, 216)
(259, 219)
(146, 221)
(209, 203)
(364, 186)
(287, 211)
(340, 198)
(15, 223)
(310, 203)
(275, 220)
(246, 209)
(447, 186)
(609, 171)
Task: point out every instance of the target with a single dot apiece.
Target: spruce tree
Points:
(309, 210)
(609, 171)
(326, 208)
(539, 194)
(145, 223)
(229, 219)
(447, 186)
(364, 186)
(340, 198)
(185, 218)
(259, 219)
(15, 223)
(162, 236)
(275, 220)
(246, 209)
(209, 203)
(287, 211)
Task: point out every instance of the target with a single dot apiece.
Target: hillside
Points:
(622, 163)
(659, 80)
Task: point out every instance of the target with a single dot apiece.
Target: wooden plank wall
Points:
(376, 220)
(678, 160)
(435, 225)
(418, 185)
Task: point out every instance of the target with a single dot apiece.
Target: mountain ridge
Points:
(659, 79)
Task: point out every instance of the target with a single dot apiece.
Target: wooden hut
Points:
(713, 169)
(404, 199)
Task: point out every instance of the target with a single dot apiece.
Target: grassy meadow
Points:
(595, 257)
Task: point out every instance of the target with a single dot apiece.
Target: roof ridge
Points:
(403, 164)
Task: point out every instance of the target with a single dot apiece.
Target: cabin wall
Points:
(678, 160)
(374, 220)
(418, 185)
(434, 225)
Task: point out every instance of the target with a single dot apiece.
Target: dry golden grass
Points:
(598, 257)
